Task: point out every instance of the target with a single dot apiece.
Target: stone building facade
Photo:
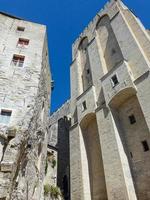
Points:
(97, 145)
(25, 86)
(110, 109)
(58, 144)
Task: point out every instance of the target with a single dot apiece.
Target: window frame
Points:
(20, 28)
(88, 71)
(112, 81)
(5, 119)
(21, 43)
(145, 146)
(5, 111)
(84, 106)
(19, 61)
(132, 119)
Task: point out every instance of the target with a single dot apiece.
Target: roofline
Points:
(15, 17)
(9, 15)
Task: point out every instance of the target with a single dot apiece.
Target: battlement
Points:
(64, 110)
(111, 8)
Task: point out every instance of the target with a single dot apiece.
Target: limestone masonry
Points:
(25, 84)
(97, 145)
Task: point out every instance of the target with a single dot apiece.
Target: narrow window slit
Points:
(20, 28)
(131, 154)
(114, 80)
(84, 107)
(132, 119)
(145, 146)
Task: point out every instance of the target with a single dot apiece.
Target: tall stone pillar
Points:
(118, 177)
(75, 164)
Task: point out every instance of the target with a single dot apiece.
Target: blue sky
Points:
(65, 20)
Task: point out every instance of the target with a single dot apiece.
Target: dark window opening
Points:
(29, 144)
(114, 80)
(113, 51)
(131, 154)
(84, 106)
(88, 71)
(43, 105)
(6, 113)
(132, 119)
(5, 116)
(19, 28)
(39, 148)
(145, 145)
(23, 42)
(18, 60)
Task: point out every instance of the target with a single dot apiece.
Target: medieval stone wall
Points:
(25, 97)
(118, 63)
(58, 144)
(103, 151)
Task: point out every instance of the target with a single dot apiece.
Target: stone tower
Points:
(25, 83)
(110, 108)
(58, 144)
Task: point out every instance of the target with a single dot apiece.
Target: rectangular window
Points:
(145, 145)
(84, 106)
(5, 116)
(113, 51)
(88, 71)
(114, 80)
(18, 60)
(131, 154)
(23, 42)
(132, 119)
(20, 28)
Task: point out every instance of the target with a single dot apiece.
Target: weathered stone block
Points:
(6, 166)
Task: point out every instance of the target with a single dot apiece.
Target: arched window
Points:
(110, 48)
(85, 64)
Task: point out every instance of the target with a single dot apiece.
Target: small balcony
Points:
(118, 85)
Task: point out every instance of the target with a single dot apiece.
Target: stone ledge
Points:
(6, 166)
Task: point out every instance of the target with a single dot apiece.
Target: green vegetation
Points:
(53, 191)
(46, 189)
